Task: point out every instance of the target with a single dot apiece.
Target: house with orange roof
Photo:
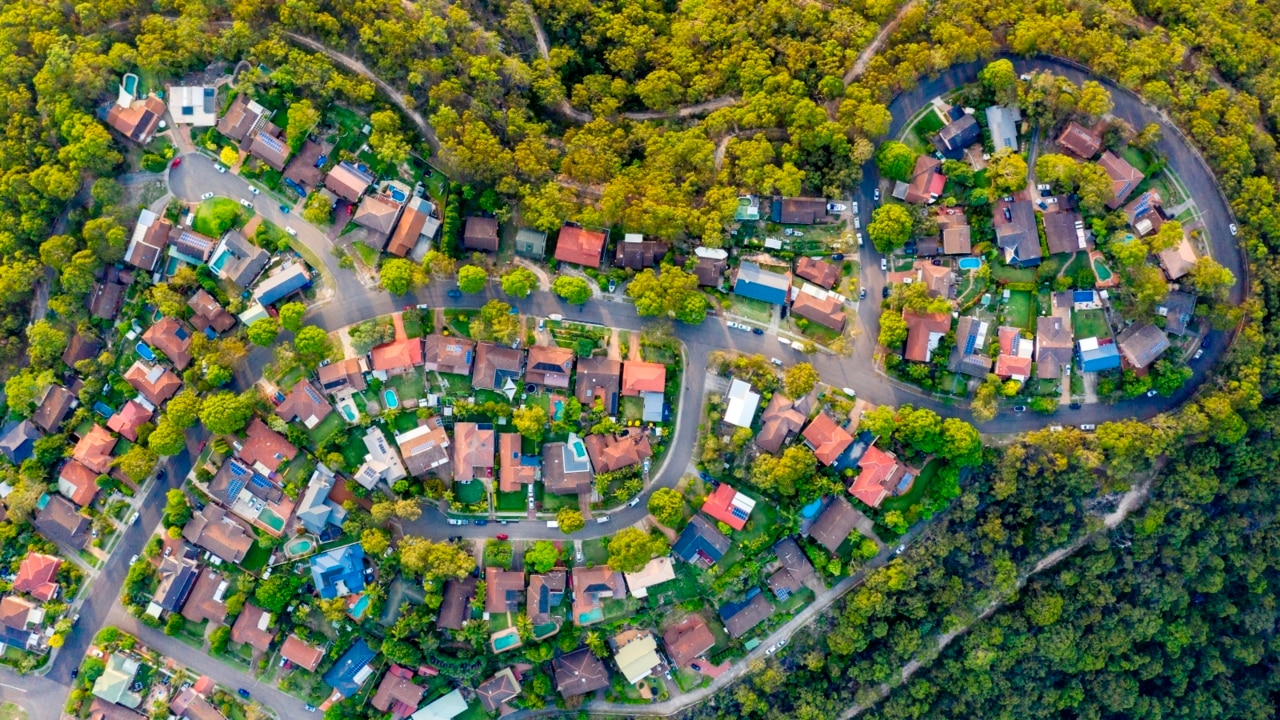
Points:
(924, 332)
(826, 439)
(818, 272)
(301, 654)
(614, 452)
(128, 419)
(171, 337)
(401, 354)
(515, 469)
(729, 506)
(156, 383)
(304, 404)
(264, 446)
(38, 576)
(1124, 178)
(881, 475)
(473, 451)
(642, 377)
(77, 482)
(579, 246)
(94, 450)
(253, 628)
(1014, 360)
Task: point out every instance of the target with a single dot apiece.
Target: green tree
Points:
(386, 139)
(1007, 171)
(630, 549)
(263, 331)
(177, 509)
(435, 560)
(438, 264)
(183, 409)
(1094, 188)
(276, 592)
(574, 290)
(895, 160)
(137, 463)
(224, 413)
(519, 281)
(531, 422)
(890, 227)
(541, 556)
(674, 293)
(167, 438)
(1057, 170)
(399, 276)
(45, 343)
(496, 322)
(303, 117)
(291, 316)
(570, 520)
(334, 610)
(1208, 277)
(667, 505)
(1168, 237)
(1095, 99)
(168, 301)
(472, 279)
(228, 156)
(893, 329)
(317, 210)
(799, 379)
(370, 334)
(1000, 79)
(312, 345)
(787, 474)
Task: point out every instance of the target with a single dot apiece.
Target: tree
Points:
(438, 264)
(573, 290)
(1001, 80)
(496, 321)
(276, 592)
(221, 635)
(303, 117)
(667, 505)
(596, 643)
(183, 409)
(45, 343)
(263, 331)
(570, 520)
(895, 160)
(961, 443)
(334, 610)
(472, 279)
(519, 281)
(1168, 376)
(370, 334)
(541, 556)
(1095, 99)
(177, 509)
(291, 316)
(24, 388)
(168, 301)
(1094, 187)
(386, 139)
(893, 329)
(435, 560)
(1057, 170)
(1210, 278)
(630, 549)
(137, 463)
(890, 227)
(1007, 171)
(399, 276)
(317, 210)
(531, 422)
(228, 156)
(225, 412)
(1168, 237)
(787, 474)
(799, 379)
(312, 345)
(674, 293)
(167, 438)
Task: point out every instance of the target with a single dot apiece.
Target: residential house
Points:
(599, 378)
(799, 211)
(795, 572)
(1177, 262)
(578, 673)
(114, 684)
(928, 247)
(957, 135)
(473, 451)
(315, 511)
(636, 653)
(712, 262)
(818, 272)
(566, 467)
(636, 253)
(968, 356)
(18, 441)
(1064, 232)
(445, 707)
(455, 607)
(687, 640)
(252, 628)
(591, 587)
(188, 245)
(246, 491)
(531, 243)
(53, 408)
(729, 506)
(107, 296)
(351, 670)
(496, 367)
(150, 236)
(924, 332)
(927, 181)
(16, 614)
(741, 410)
(399, 356)
(954, 226)
(425, 450)
(820, 306)
(134, 118)
(503, 590)
(239, 260)
(102, 710)
(205, 603)
(214, 530)
(418, 226)
(209, 316)
(1014, 360)
(448, 354)
(881, 475)
(177, 576)
(1178, 310)
(264, 446)
(271, 147)
(1079, 141)
(382, 464)
(195, 106)
(1054, 347)
(498, 690)
(546, 592)
(1141, 343)
(826, 439)
(287, 279)
(579, 246)
(191, 705)
(1145, 213)
(173, 338)
(94, 450)
(835, 524)
(81, 347)
(1003, 123)
(397, 694)
(341, 375)
(347, 181)
(782, 420)
(614, 452)
(156, 383)
(480, 233)
(1016, 232)
(243, 116)
(1096, 356)
(515, 468)
(379, 214)
(643, 377)
(752, 281)
(700, 543)
(338, 572)
(742, 617)
(657, 571)
(304, 404)
(77, 482)
(38, 576)
(1124, 178)
(301, 654)
(304, 168)
(549, 366)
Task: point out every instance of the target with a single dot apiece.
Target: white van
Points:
(602, 519)
(553, 524)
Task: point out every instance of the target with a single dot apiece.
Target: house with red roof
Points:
(729, 506)
(77, 482)
(924, 332)
(642, 377)
(127, 419)
(880, 475)
(38, 575)
(264, 446)
(94, 450)
(580, 247)
(401, 354)
(826, 439)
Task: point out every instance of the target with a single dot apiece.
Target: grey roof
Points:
(967, 356)
(177, 577)
(1019, 236)
(288, 280)
(1003, 123)
(531, 243)
(313, 510)
(1054, 346)
(1178, 309)
(17, 442)
(953, 138)
(1141, 344)
(244, 260)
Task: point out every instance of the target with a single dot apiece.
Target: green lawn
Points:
(1018, 311)
(256, 558)
(631, 408)
(594, 551)
(1005, 274)
(512, 501)
(451, 384)
(756, 310)
(1134, 157)
(916, 493)
(928, 124)
(327, 427)
(368, 255)
(408, 386)
(354, 450)
(1089, 323)
(215, 216)
(469, 492)
(10, 711)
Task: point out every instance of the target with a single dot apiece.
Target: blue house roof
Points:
(700, 540)
(345, 676)
(1105, 357)
(281, 284)
(754, 282)
(339, 571)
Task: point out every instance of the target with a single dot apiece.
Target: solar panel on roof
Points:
(740, 513)
(234, 488)
(311, 393)
(238, 471)
(969, 344)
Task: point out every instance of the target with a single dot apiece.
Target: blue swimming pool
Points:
(219, 261)
(146, 352)
(361, 607)
(810, 511)
(970, 263)
(506, 641)
(348, 413)
(396, 194)
(393, 401)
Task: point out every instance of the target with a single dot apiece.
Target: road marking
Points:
(12, 687)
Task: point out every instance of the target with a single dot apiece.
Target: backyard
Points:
(1018, 311)
(1090, 323)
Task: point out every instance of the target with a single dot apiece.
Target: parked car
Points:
(782, 643)
(634, 501)
(291, 231)
(481, 521)
(776, 361)
(855, 207)
(1151, 393)
(454, 293)
(849, 391)
(857, 222)
(577, 557)
(602, 519)
(501, 536)
(876, 195)
(133, 559)
(1074, 406)
(253, 189)
(757, 331)
(837, 256)
(884, 264)
(242, 693)
(176, 162)
(219, 168)
(859, 236)
(1233, 229)
(1019, 408)
(457, 521)
(206, 196)
(862, 294)
(1199, 354)
(246, 203)
(884, 292)
(1088, 427)
(836, 207)
(284, 209)
(772, 649)
(311, 708)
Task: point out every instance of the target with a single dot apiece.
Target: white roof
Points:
(713, 253)
(633, 238)
(638, 658)
(742, 404)
(1087, 344)
(658, 571)
(446, 708)
(193, 105)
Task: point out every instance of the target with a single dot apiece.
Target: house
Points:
(212, 529)
(795, 572)
(425, 449)
(968, 355)
(286, 280)
(1014, 360)
(209, 314)
(1079, 141)
(566, 467)
(398, 695)
(503, 590)
(701, 543)
(107, 296)
(351, 670)
(1064, 232)
(591, 587)
(579, 672)
(614, 452)
(1053, 347)
(821, 306)
(546, 592)
(826, 439)
(379, 214)
(264, 446)
(78, 483)
(113, 684)
(636, 253)
(136, 119)
(1124, 178)
(53, 408)
(1145, 213)
(338, 572)
(752, 281)
(578, 246)
(94, 450)
(243, 116)
(549, 366)
(314, 511)
(304, 168)
(599, 378)
(189, 245)
(205, 603)
(81, 347)
(1016, 232)
(835, 524)
(927, 181)
(195, 106)
(246, 491)
(173, 338)
(1096, 356)
(712, 262)
(798, 211)
(643, 377)
(304, 404)
(191, 705)
(741, 410)
(818, 272)
(1003, 123)
(531, 243)
(150, 236)
(924, 332)
(455, 607)
(241, 261)
(418, 225)
(252, 628)
(38, 576)
(156, 383)
(446, 707)
(957, 135)
(1178, 310)
(954, 226)
(301, 654)
(741, 617)
(473, 451)
(657, 571)
(515, 468)
(347, 181)
(729, 506)
(102, 710)
(16, 613)
(448, 354)
(341, 374)
(271, 147)
(495, 366)
(1177, 262)
(1141, 343)
(480, 233)
(881, 474)
(18, 441)
(177, 576)
(781, 420)
(636, 653)
(498, 689)
(687, 640)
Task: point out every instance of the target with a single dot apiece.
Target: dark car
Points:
(481, 521)
(454, 293)
(1020, 408)
(837, 256)
(284, 209)
(884, 291)
(75, 673)
(1074, 406)
(862, 294)
(757, 331)
(242, 693)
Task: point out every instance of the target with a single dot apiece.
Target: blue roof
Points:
(342, 676)
(281, 284)
(339, 571)
(760, 284)
(1106, 357)
(700, 538)
(730, 609)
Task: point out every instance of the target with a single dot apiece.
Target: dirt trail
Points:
(860, 65)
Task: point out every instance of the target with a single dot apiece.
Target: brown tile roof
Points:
(38, 576)
(580, 247)
(591, 587)
(399, 693)
(827, 439)
(102, 710)
(105, 300)
(480, 233)
(346, 182)
(14, 611)
(128, 419)
(302, 169)
(155, 382)
(494, 364)
(512, 472)
(957, 240)
(560, 478)
(1124, 178)
(614, 452)
(94, 449)
(1178, 261)
(1081, 142)
(818, 272)
(794, 562)
(266, 446)
(60, 522)
(81, 347)
(579, 672)
(201, 604)
(219, 533)
(880, 473)
(598, 375)
(448, 354)
(53, 409)
(920, 189)
(1054, 347)
(139, 120)
(78, 482)
(688, 639)
(939, 279)
(412, 220)
(473, 451)
(498, 689)
(455, 609)
(640, 254)
(191, 243)
(252, 628)
(270, 146)
(546, 591)
(240, 118)
(209, 313)
(340, 374)
(378, 213)
(834, 524)
(779, 421)
(144, 253)
(741, 618)
(189, 705)
(1141, 343)
(638, 377)
(305, 404)
(300, 653)
(549, 365)
(503, 590)
(826, 311)
(173, 338)
(921, 329)
(710, 271)
(799, 211)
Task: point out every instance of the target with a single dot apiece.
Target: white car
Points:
(1199, 354)
(849, 392)
(884, 264)
(291, 231)
(634, 502)
(776, 361)
(855, 208)
(772, 649)
(219, 168)
(246, 203)
(857, 222)
(834, 208)
(782, 643)
(577, 557)
(133, 559)
(206, 196)
(859, 235)
(1233, 229)
(254, 190)
(877, 195)
(602, 519)
(1151, 393)
(1088, 427)
(731, 325)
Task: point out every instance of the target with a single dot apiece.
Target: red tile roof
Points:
(38, 576)
(301, 654)
(399, 354)
(720, 505)
(827, 439)
(818, 272)
(580, 247)
(879, 471)
(127, 419)
(251, 628)
(78, 482)
(155, 382)
(638, 377)
(920, 326)
(266, 446)
(94, 449)
(171, 337)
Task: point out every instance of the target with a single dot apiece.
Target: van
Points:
(1055, 428)
(555, 316)
(553, 524)
(602, 519)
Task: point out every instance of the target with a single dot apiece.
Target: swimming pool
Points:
(299, 546)
(970, 263)
(130, 83)
(360, 607)
(396, 194)
(506, 642)
(393, 401)
(810, 511)
(219, 261)
(271, 519)
(1101, 270)
(145, 351)
(348, 413)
